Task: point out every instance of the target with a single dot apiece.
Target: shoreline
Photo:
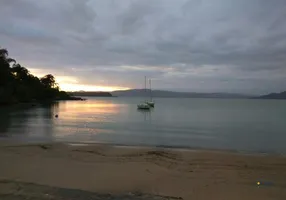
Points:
(145, 146)
(40, 102)
(121, 170)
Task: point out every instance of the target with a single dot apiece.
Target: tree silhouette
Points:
(20, 73)
(17, 84)
(3, 53)
(5, 73)
(4, 57)
(49, 81)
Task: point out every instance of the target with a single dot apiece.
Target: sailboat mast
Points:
(150, 90)
(145, 86)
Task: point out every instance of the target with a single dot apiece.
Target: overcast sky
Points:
(187, 45)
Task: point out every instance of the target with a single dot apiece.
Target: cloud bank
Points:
(185, 45)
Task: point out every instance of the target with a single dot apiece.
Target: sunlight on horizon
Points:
(71, 83)
(70, 87)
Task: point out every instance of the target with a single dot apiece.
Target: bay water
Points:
(249, 125)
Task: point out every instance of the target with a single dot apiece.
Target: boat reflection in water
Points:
(147, 114)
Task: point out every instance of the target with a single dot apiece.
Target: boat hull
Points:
(143, 106)
(151, 104)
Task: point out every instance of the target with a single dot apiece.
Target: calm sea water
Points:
(247, 125)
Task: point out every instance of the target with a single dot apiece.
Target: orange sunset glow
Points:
(71, 83)
(77, 87)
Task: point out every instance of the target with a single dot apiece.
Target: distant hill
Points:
(91, 94)
(163, 93)
(281, 95)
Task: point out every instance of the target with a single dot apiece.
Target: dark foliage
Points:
(17, 84)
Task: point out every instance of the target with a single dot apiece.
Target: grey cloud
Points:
(235, 40)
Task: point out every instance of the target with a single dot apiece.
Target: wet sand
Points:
(112, 172)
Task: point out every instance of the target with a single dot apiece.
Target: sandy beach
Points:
(42, 171)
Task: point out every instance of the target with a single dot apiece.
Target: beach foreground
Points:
(62, 171)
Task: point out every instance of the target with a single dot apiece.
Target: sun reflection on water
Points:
(98, 110)
(84, 118)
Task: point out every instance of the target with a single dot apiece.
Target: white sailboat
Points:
(151, 103)
(144, 105)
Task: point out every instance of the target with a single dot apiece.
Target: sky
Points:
(182, 45)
